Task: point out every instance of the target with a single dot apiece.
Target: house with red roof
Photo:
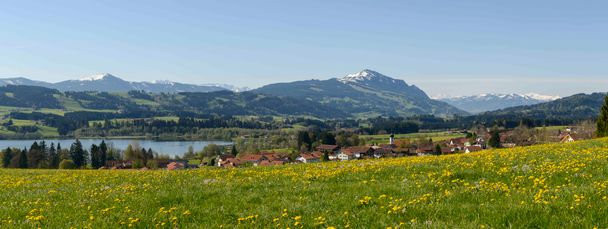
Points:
(255, 159)
(231, 163)
(175, 165)
(310, 157)
(328, 148)
(221, 159)
(355, 152)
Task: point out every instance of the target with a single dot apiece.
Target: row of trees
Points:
(307, 140)
(140, 156)
(41, 155)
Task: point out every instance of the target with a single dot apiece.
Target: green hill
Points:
(367, 93)
(223, 103)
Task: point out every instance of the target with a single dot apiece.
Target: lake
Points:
(171, 148)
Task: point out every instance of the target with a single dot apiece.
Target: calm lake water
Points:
(162, 147)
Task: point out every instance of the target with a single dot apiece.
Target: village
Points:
(390, 149)
(472, 142)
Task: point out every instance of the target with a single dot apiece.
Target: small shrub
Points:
(67, 164)
(152, 164)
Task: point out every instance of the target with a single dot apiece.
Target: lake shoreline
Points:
(112, 137)
(171, 148)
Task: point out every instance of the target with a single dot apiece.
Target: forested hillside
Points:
(365, 94)
(559, 112)
(223, 103)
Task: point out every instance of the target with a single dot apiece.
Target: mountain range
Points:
(362, 94)
(141, 104)
(489, 102)
(366, 93)
(110, 83)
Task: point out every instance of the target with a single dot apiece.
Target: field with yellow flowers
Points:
(545, 186)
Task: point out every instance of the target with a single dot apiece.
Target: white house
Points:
(345, 156)
(310, 157)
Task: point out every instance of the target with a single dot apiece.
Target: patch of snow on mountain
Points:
(364, 75)
(166, 82)
(542, 97)
(488, 96)
(95, 77)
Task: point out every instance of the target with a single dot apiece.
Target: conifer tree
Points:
(53, 157)
(34, 155)
(150, 154)
(103, 148)
(494, 141)
(233, 151)
(6, 157)
(23, 159)
(95, 156)
(143, 156)
(77, 154)
(602, 121)
(437, 149)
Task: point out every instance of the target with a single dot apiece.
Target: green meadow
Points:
(543, 186)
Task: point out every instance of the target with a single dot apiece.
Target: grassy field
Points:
(6, 110)
(164, 118)
(45, 131)
(553, 128)
(436, 136)
(545, 186)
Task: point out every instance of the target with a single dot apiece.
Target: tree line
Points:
(43, 156)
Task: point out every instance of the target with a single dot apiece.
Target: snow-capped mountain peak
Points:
(493, 101)
(542, 97)
(97, 77)
(228, 87)
(372, 80)
(365, 75)
(488, 96)
(165, 82)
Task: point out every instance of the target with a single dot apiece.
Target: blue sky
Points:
(445, 47)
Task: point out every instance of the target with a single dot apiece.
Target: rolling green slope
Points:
(44, 100)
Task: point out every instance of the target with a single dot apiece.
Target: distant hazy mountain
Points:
(23, 81)
(489, 102)
(109, 83)
(565, 110)
(228, 86)
(365, 93)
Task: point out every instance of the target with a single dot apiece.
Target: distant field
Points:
(544, 186)
(165, 118)
(283, 150)
(4, 110)
(436, 136)
(44, 131)
(555, 128)
(146, 102)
